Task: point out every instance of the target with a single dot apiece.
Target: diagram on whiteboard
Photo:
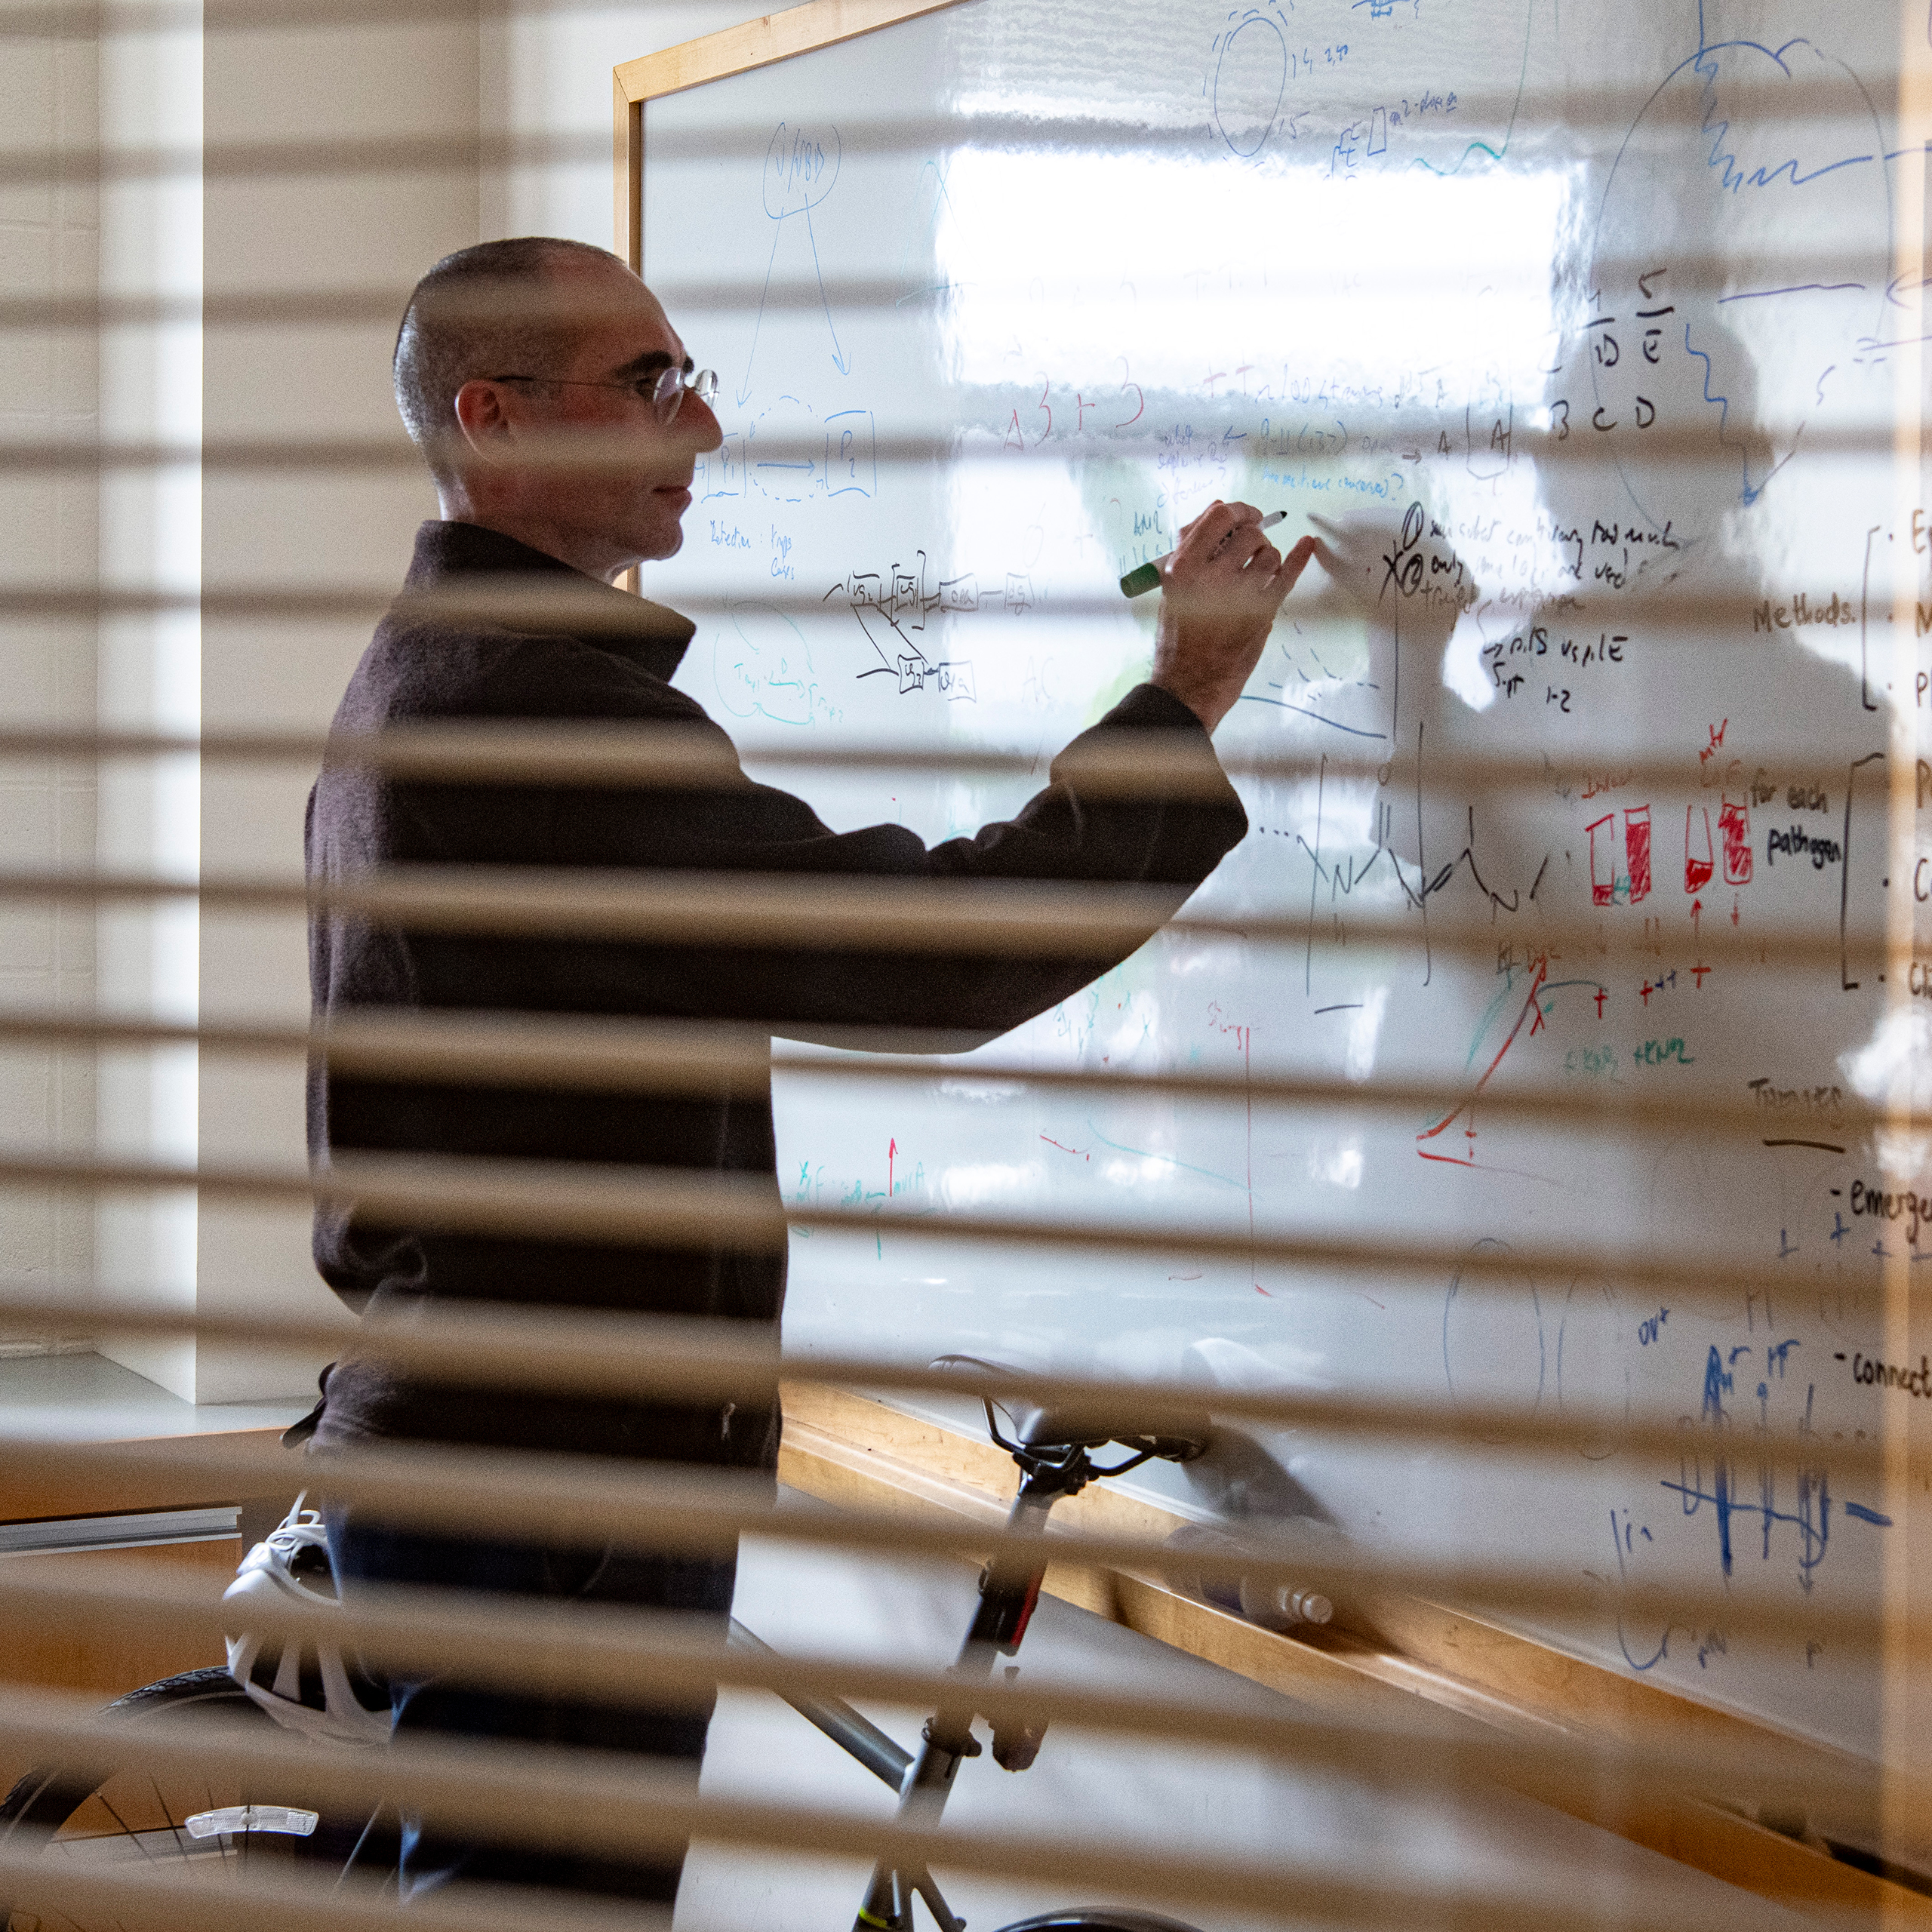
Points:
(1587, 331)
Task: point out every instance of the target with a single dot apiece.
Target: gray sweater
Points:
(422, 666)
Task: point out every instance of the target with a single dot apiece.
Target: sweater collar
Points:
(448, 554)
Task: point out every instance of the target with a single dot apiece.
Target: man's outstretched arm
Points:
(1222, 587)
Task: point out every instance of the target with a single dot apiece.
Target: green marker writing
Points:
(1138, 582)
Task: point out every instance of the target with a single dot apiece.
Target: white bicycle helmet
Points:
(308, 1687)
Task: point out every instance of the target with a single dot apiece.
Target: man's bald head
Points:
(528, 372)
(501, 307)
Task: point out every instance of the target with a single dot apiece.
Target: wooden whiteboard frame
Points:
(758, 43)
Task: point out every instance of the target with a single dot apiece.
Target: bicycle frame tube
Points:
(1007, 1594)
(850, 1729)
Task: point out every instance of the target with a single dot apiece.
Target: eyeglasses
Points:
(664, 391)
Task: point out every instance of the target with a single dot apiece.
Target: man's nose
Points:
(695, 424)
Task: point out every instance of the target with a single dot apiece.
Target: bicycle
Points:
(78, 1816)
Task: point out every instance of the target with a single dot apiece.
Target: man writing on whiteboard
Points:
(560, 416)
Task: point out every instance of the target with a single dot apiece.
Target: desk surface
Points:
(87, 1398)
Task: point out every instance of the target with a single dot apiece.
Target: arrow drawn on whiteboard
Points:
(840, 360)
(801, 168)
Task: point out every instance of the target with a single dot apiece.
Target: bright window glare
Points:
(1172, 265)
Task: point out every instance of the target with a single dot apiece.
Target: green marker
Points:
(1138, 582)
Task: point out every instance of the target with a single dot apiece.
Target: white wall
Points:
(49, 390)
(148, 665)
(371, 232)
(547, 78)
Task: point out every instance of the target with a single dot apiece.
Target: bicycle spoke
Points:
(349, 1864)
(166, 1811)
(101, 1797)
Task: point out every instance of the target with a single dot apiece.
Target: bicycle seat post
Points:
(1051, 1445)
(1009, 1590)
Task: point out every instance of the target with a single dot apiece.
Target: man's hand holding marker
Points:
(1144, 577)
(1221, 585)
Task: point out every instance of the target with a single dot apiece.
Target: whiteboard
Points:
(1592, 320)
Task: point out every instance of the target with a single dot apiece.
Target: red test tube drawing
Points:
(1603, 860)
(1637, 851)
(1698, 864)
(1734, 822)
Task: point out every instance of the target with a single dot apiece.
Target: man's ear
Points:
(481, 415)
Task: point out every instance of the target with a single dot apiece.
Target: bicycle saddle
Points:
(1179, 1438)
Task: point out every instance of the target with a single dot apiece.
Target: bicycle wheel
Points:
(215, 1825)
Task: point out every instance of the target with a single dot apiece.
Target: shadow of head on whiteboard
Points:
(1737, 285)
